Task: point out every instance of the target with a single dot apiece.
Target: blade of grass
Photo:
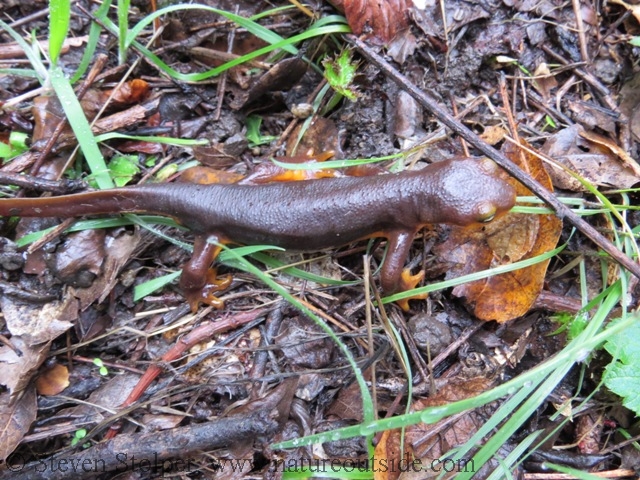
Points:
(32, 55)
(92, 43)
(515, 455)
(275, 264)
(576, 350)
(21, 72)
(146, 288)
(123, 29)
(367, 401)
(277, 41)
(59, 15)
(251, 26)
(475, 276)
(184, 142)
(81, 128)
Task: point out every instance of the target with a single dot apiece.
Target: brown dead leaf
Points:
(626, 159)
(407, 115)
(213, 156)
(17, 370)
(377, 20)
(135, 146)
(38, 324)
(53, 381)
(101, 402)
(276, 404)
(300, 348)
(128, 93)
(590, 115)
(635, 9)
(424, 443)
(13, 50)
(321, 135)
(207, 176)
(508, 239)
(544, 82)
(47, 114)
(348, 404)
(79, 258)
(629, 102)
(493, 134)
(161, 422)
(593, 161)
(402, 46)
(281, 77)
(15, 420)
(118, 247)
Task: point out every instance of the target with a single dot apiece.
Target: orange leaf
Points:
(509, 239)
(53, 381)
(379, 20)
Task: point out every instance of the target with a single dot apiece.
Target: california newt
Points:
(304, 216)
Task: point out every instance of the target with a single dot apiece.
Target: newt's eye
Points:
(486, 213)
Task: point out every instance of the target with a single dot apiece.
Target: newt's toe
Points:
(409, 282)
(206, 294)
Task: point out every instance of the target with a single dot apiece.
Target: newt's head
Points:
(470, 190)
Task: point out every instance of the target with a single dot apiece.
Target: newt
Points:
(303, 216)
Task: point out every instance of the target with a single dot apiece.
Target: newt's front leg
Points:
(393, 277)
(199, 281)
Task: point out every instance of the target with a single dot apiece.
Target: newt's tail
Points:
(76, 205)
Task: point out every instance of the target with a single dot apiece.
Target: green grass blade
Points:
(21, 72)
(367, 401)
(251, 26)
(275, 264)
(81, 128)
(182, 142)
(577, 350)
(32, 55)
(285, 44)
(92, 42)
(59, 15)
(123, 29)
(475, 276)
(147, 288)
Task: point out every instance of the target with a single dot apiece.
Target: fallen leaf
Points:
(17, 370)
(15, 420)
(594, 162)
(118, 247)
(128, 93)
(377, 20)
(321, 135)
(629, 102)
(626, 159)
(109, 395)
(493, 134)
(296, 339)
(506, 240)
(206, 176)
(12, 50)
(53, 381)
(283, 76)
(78, 260)
(38, 324)
(634, 9)
(424, 443)
(544, 81)
(591, 116)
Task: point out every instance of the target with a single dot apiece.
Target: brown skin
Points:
(304, 216)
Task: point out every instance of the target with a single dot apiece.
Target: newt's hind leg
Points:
(199, 282)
